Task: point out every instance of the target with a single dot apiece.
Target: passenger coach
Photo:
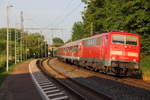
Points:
(113, 52)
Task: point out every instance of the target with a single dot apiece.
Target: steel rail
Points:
(101, 94)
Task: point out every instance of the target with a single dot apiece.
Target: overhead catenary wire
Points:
(63, 23)
(65, 8)
(71, 12)
(68, 14)
(70, 17)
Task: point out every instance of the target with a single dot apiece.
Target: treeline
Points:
(57, 41)
(115, 15)
(27, 46)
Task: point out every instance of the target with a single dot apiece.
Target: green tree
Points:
(78, 31)
(36, 45)
(111, 15)
(33, 45)
(57, 41)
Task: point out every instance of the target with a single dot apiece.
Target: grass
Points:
(145, 66)
(3, 75)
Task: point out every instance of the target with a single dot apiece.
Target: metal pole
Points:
(26, 47)
(15, 48)
(21, 41)
(41, 49)
(7, 63)
(7, 44)
(45, 49)
(38, 49)
(17, 44)
(41, 46)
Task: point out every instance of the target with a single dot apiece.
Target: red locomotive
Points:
(112, 52)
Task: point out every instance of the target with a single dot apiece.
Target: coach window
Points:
(88, 43)
(70, 49)
(67, 49)
(84, 42)
(97, 41)
(75, 49)
(100, 41)
(94, 41)
(91, 42)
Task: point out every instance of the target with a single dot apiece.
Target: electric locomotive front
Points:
(125, 53)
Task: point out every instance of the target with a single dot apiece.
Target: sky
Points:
(61, 14)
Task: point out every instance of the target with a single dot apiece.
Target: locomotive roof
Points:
(74, 43)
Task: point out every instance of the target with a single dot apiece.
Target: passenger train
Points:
(115, 53)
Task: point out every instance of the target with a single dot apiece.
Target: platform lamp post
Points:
(7, 44)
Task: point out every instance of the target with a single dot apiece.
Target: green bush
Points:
(145, 66)
(4, 74)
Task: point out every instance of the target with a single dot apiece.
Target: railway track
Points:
(126, 80)
(79, 90)
(118, 89)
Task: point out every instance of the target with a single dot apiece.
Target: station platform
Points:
(19, 85)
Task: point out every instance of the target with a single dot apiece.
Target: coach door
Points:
(105, 43)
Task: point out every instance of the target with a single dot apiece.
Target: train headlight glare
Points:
(113, 58)
(134, 59)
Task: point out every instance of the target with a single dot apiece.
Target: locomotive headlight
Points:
(134, 60)
(113, 58)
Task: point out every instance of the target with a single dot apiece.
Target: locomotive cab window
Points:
(119, 39)
(124, 39)
(131, 40)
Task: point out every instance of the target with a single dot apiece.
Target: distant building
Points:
(51, 49)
